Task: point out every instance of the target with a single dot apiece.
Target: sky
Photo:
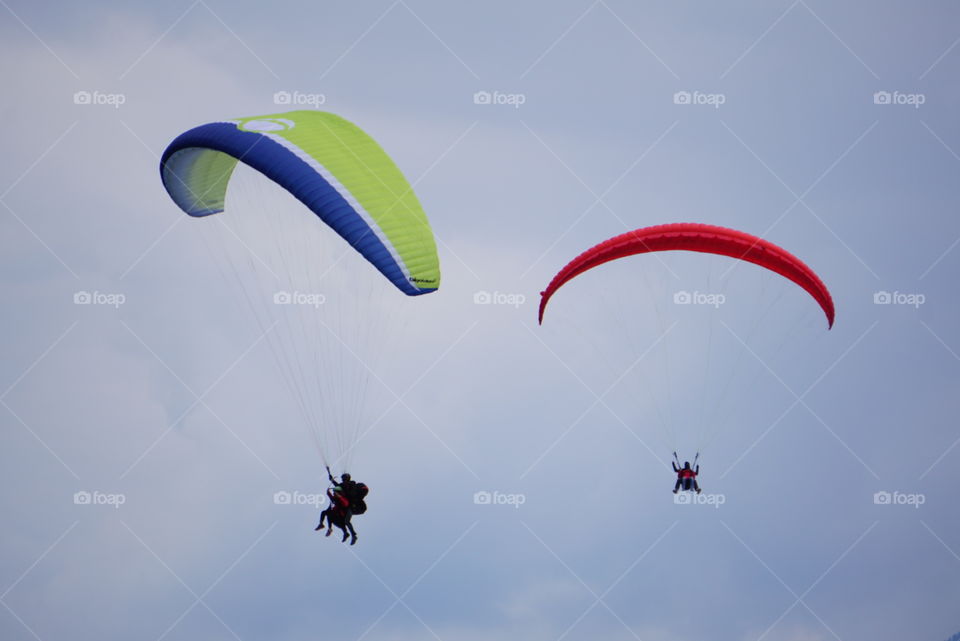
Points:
(148, 434)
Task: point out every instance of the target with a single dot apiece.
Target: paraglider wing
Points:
(696, 237)
(330, 165)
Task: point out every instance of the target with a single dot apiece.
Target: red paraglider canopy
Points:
(696, 237)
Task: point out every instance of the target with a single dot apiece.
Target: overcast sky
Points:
(531, 131)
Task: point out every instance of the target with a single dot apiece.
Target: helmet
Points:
(686, 464)
(344, 477)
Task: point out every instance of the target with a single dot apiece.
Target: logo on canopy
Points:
(266, 125)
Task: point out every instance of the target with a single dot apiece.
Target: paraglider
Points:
(326, 317)
(346, 501)
(686, 475)
(696, 237)
(331, 166)
(338, 513)
(705, 239)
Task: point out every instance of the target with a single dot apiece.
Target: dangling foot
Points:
(353, 541)
(675, 491)
(698, 490)
(344, 539)
(329, 531)
(318, 528)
